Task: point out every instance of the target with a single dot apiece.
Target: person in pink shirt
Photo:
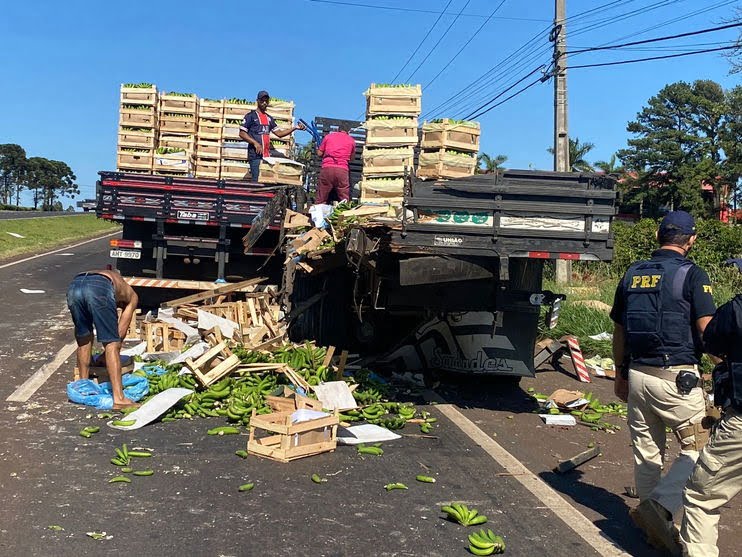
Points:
(337, 150)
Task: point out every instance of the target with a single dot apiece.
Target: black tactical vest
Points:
(657, 318)
(727, 376)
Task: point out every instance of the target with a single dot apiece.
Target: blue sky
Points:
(63, 62)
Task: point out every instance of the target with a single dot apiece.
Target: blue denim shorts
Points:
(92, 303)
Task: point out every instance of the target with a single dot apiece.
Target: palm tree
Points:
(612, 167)
(489, 165)
(577, 153)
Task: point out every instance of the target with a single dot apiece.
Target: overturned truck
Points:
(455, 284)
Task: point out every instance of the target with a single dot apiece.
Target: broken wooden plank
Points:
(341, 365)
(201, 296)
(575, 461)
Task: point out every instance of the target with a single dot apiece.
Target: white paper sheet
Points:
(305, 415)
(191, 333)
(136, 350)
(335, 394)
(365, 433)
(208, 321)
(153, 408)
(31, 291)
(193, 352)
(558, 419)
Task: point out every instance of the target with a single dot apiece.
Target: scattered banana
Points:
(486, 542)
(457, 512)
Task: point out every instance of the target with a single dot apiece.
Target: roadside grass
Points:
(48, 232)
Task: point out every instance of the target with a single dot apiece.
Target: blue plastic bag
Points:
(86, 391)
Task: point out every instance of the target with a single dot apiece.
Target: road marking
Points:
(33, 383)
(58, 250)
(573, 518)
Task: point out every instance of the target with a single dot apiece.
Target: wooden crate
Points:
(281, 110)
(208, 168)
(186, 142)
(281, 173)
(181, 162)
(387, 162)
(231, 129)
(142, 139)
(449, 134)
(134, 161)
(382, 189)
(211, 109)
(291, 401)
(137, 118)
(162, 337)
(235, 170)
(286, 441)
(176, 123)
(283, 145)
(393, 100)
(440, 164)
(209, 128)
(237, 110)
(179, 104)
(234, 150)
(139, 95)
(210, 149)
(387, 133)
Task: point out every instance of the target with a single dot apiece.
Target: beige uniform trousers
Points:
(716, 479)
(654, 404)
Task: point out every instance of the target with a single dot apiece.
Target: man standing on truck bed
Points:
(660, 311)
(256, 129)
(337, 150)
(93, 298)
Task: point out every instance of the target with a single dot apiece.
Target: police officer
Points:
(717, 477)
(660, 311)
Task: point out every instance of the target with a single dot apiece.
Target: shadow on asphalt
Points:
(617, 526)
(491, 393)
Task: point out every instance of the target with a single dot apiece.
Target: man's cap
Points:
(679, 222)
(262, 94)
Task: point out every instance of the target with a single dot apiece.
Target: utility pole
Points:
(561, 137)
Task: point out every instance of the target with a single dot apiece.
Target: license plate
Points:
(126, 254)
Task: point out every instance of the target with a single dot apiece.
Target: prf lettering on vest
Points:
(645, 281)
(707, 289)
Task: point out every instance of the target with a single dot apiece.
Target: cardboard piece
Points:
(335, 395)
(153, 408)
(558, 419)
(365, 433)
(309, 241)
(572, 400)
(295, 220)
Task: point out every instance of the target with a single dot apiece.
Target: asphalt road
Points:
(8, 215)
(49, 475)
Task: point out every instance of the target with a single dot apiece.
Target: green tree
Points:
(612, 167)
(735, 55)
(487, 164)
(731, 143)
(677, 146)
(578, 155)
(12, 169)
(49, 180)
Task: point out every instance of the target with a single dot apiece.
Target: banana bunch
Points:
(463, 515)
(392, 423)
(406, 411)
(373, 413)
(159, 383)
(486, 542)
(247, 356)
(306, 356)
(366, 396)
(353, 415)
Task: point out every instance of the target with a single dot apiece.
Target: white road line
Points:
(33, 383)
(573, 518)
(58, 250)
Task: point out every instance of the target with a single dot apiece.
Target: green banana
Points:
(375, 451)
(246, 487)
(393, 486)
(425, 479)
(120, 479)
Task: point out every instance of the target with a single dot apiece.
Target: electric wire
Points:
(476, 111)
(666, 56)
(409, 79)
(440, 16)
(486, 21)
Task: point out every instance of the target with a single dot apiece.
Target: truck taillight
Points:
(116, 243)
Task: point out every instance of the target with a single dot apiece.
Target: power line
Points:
(465, 44)
(422, 41)
(518, 92)
(439, 41)
(619, 62)
(416, 10)
(476, 112)
(528, 44)
(657, 39)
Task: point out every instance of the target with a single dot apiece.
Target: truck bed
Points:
(513, 213)
(195, 201)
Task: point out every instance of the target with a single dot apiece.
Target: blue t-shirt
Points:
(251, 124)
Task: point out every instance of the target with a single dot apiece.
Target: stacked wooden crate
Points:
(178, 120)
(209, 138)
(391, 135)
(137, 137)
(282, 173)
(234, 164)
(448, 149)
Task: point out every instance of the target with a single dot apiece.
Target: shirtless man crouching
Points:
(93, 298)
